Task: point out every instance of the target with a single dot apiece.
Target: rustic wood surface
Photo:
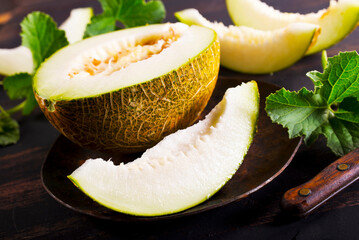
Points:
(27, 211)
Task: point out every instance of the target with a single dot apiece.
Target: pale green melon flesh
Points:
(185, 168)
(255, 51)
(16, 60)
(75, 25)
(19, 59)
(336, 22)
(54, 78)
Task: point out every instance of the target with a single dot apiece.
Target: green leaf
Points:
(41, 35)
(341, 77)
(30, 104)
(18, 86)
(302, 113)
(9, 130)
(316, 78)
(348, 110)
(332, 109)
(100, 24)
(342, 136)
(131, 13)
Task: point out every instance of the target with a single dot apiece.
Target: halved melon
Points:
(336, 22)
(128, 89)
(255, 51)
(185, 168)
(19, 59)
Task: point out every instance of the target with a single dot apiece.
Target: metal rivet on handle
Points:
(343, 167)
(304, 192)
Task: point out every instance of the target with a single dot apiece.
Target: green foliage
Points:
(9, 129)
(41, 35)
(332, 109)
(131, 13)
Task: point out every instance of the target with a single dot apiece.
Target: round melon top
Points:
(119, 59)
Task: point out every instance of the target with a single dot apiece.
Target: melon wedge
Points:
(126, 90)
(336, 22)
(75, 25)
(255, 51)
(184, 169)
(16, 60)
(19, 59)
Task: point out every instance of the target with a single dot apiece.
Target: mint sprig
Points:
(41, 35)
(332, 109)
(130, 13)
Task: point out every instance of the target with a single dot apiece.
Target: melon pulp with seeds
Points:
(255, 51)
(124, 91)
(19, 59)
(336, 22)
(185, 168)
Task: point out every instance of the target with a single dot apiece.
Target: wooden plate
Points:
(269, 154)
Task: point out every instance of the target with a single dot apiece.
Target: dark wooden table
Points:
(28, 212)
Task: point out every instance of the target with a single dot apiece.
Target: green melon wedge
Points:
(336, 22)
(126, 90)
(185, 168)
(19, 59)
(255, 51)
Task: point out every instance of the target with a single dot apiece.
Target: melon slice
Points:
(185, 168)
(75, 25)
(16, 60)
(19, 59)
(255, 51)
(126, 90)
(336, 22)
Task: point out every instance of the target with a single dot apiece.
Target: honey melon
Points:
(124, 91)
(185, 168)
(255, 51)
(336, 22)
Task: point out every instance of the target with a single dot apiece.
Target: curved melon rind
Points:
(184, 169)
(254, 51)
(134, 118)
(336, 22)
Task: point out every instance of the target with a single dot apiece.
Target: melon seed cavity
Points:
(126, 53)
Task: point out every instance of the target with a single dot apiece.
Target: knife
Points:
(303, 199)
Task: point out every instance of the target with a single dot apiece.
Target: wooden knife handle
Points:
(301, 200)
